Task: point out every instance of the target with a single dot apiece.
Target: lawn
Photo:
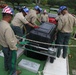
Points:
(0, 14)
(72, 61)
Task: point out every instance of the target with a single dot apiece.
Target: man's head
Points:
(7, 13)
(45, 12)
(25, 11)
(38, 9)
(59, 12)
(63, 10)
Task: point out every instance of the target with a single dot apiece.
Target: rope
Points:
(40, 72)
(46, 43)
(49, 43)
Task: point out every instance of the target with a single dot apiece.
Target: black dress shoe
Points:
(6, 69)
(64, 57)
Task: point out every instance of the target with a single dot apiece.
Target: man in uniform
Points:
(19, 20)
(8, 41)
(65, 27)
(60, 15)
(44, 17)
(32, 17)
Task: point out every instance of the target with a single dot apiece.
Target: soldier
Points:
(32, 17)
(44, 17)
(20, 20)
(59, 15)
(65, 27)
(8, 41)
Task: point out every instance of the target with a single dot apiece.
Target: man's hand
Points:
(36, 26)
(17, 48)
(18, 42)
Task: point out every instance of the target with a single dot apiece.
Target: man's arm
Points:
(47, 18)
(60, 24)
(30, 24)
(33, 21)
(38, 20)
(11, 39)
(26, 22)
(74, 21)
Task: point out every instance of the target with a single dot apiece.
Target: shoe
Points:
(58, 56)
(6, 69)
(64, 57)
(18, 72)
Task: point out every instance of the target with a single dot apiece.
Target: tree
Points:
(15, 1)
(71, 4)
(29, 1)
(44, 2)
(52, 2)
(11, 1)
(37, 2)
(55, 2)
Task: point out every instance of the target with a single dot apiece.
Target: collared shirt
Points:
(58, 17)
(44, 17)
(19, 20)
(7, 37)
(66, 23)
(31, 16)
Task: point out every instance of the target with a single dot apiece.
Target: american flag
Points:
(7, 10)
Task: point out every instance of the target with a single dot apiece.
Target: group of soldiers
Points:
(28, 18)
(9, 27)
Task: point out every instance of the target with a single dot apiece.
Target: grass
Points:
(72, 61)
(0, 14)
(23, 71)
